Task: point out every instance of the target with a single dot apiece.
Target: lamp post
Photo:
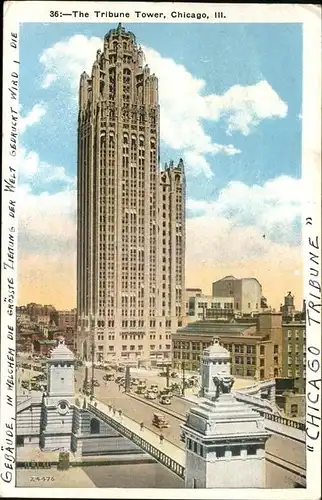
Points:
(183, 378)
(168, 375)
(183, 370)
(93, 354)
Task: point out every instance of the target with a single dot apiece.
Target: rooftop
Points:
(62, 352)
(214, 327)
(119, 31)
(216, 351)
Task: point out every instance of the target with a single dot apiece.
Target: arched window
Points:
(125, 139)
(95, 426)
(111, 139)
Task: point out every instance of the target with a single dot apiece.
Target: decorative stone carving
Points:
(223, 384)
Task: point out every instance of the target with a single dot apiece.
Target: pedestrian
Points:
(120, 413)
(114, 411)
(161, 438)
(141, 426)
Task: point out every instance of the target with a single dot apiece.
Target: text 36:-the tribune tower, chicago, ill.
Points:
(131, 214)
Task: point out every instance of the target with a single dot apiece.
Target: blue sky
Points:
(223, 56)
(231, 104)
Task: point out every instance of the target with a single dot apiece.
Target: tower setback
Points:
(130, 215)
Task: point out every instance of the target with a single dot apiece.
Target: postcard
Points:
(161, 251)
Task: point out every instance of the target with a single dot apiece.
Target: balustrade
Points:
(283, 420)
(142, 443)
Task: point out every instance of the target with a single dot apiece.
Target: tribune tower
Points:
(130, 215)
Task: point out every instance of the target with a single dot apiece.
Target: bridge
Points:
(257, 402)
(163, 451)
(285, 449)
(285, 452)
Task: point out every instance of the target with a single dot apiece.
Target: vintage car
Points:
(160, 421)
(151, 395)
(167, 391)
(108, 376)
(140, 390)
(154, 388)
(165, 400)
(176, 388)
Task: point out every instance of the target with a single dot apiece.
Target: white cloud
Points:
(227, 230)
(67, 59)
(48, 80)
(182, 110)
(184, 106)
(273, 210)
(243, 108)
(32, 168)
(34, 116)
(218, 243)
(47, 219)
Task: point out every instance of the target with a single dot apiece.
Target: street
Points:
(140, 411)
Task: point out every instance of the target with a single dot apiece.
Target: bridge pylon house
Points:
(58, 403)
(224, 438)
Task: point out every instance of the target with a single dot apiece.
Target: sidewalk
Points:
(151, 437)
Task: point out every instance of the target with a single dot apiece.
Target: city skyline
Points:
(257, 206)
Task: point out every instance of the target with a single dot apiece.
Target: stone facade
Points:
(52, 421)
(91, 436)
(131, 214)
(224, 438)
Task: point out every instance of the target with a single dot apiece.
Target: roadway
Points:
(140, 409)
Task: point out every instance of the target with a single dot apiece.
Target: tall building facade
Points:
(131, 214)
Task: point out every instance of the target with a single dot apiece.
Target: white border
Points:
(19, 12)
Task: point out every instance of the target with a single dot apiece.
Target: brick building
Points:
(256, 345)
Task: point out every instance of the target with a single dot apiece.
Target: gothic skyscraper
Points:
(131, 214)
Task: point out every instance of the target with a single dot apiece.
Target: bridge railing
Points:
(159, 455)
(255, 401)
(283, 420)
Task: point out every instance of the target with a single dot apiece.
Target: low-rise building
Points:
(206, 306)
(43, 319)
(246, 292)
(255, 346)
(294, 352)
(65, 319)
(191, 292)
